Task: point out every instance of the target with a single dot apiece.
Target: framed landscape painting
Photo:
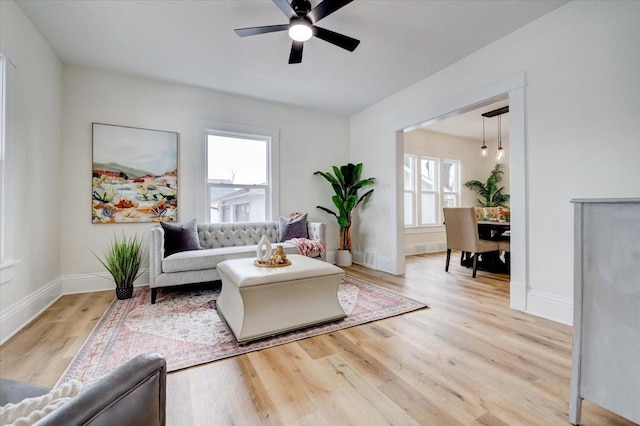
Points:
(135, 175)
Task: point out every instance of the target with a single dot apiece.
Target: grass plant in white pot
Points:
(123, 260)
(346, 184)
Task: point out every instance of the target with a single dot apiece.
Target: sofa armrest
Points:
(156, 253)
(133, 394)
(316, 232)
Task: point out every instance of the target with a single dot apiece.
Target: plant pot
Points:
(343, 258)
(123, 293)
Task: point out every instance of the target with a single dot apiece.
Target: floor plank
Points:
(468, 360)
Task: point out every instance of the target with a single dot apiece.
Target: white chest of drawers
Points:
(606, 326)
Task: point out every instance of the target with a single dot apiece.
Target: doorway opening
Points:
(510, 91)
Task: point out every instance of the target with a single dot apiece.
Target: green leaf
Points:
(339, 175)
(123, 259)
(327, 176)
(346, 186)
(490, 194)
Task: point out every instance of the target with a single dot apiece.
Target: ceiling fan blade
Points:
(286, 8)
(326, 8)
(295, 57)
(243, 32)
(339, 40)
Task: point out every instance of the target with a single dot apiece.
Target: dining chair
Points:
(462, 234)
(505, 245)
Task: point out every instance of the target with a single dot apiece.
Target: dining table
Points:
(491, 261)
(492, 230)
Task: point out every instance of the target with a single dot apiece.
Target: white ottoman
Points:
(258, 302)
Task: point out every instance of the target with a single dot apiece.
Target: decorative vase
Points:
(343, 258)
(123, 293)
(263, 244)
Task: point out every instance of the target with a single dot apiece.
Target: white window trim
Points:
(418, 227)
(7, 264)
(458, 191)
(437, 192)
(3, 124)
(266, 187)
(207, 127)
(412, 191)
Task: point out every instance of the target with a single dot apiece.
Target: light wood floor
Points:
(468, 360)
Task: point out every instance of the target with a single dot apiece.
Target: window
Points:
(2, 159)
(409, 190)
(436, 184)
(241, 212)
(429, 191)
(451, 183)
(7, 170)
(238, 185)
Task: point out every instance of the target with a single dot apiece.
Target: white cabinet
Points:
(606, 325)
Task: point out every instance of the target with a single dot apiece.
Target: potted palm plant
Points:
(346, 184)
(123, 260)
(490, 194)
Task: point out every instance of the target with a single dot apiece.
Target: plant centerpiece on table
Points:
(490, 194)
(123, 260)
(346, 184)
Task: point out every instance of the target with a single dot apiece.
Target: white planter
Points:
(343, 258)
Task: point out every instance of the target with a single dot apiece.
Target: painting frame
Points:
(134, 174)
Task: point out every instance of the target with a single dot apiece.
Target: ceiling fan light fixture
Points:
(300, 31)
(302, 25)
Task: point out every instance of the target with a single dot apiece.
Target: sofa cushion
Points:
(292, 227)
(180, 237)
(216, 235)
(30, 410)
(208, 258)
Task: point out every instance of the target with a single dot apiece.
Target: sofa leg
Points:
(154, 293)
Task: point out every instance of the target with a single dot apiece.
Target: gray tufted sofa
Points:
(221, 241)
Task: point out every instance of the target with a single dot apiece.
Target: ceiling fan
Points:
(301, 26)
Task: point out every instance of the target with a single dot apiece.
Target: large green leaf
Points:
(346, 185)
(490, 194)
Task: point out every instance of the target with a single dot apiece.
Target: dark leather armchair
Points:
(133, 394)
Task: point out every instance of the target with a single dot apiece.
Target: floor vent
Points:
(370, 258)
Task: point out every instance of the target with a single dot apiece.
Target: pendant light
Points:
(496, 112)
(500, 152)
(483, 148)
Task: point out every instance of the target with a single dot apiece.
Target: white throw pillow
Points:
(30, 410)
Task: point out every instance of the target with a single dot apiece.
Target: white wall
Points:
(582, 125)
(309, 140)
(472, 167)
(33, 169)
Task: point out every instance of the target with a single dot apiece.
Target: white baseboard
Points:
(88, 283)
(17, 316)
(420, 248)
(550, 306)
(387, 264)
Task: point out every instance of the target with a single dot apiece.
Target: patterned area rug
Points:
(184, 326)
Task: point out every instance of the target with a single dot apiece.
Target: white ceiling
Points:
(469, 124)
(192, 42)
